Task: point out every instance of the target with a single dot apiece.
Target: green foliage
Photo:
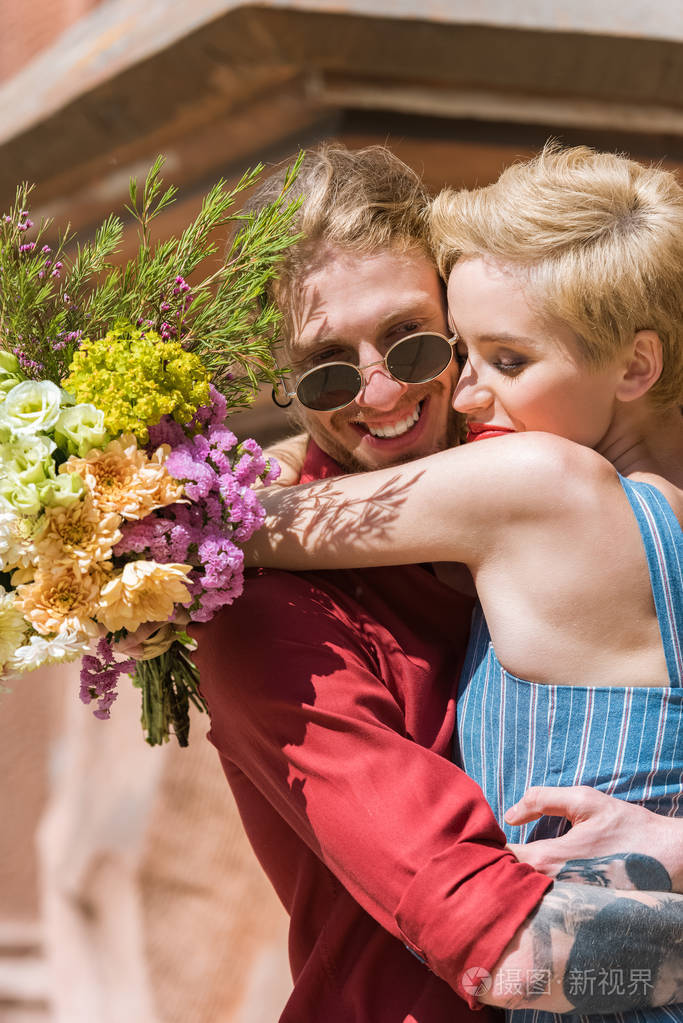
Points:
(179, 288)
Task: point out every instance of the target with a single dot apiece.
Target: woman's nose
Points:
(470, 394)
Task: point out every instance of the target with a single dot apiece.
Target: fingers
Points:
(540, 855)
(574, 802)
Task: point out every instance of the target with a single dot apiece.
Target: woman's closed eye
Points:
(510, 367)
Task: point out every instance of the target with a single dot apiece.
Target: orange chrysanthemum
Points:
(124, 479)
(59, 598)
(80, 532)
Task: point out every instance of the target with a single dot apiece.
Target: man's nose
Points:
(380, 390)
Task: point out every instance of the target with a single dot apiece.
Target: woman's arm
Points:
(453, 506)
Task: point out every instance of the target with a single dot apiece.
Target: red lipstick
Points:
(482, 431)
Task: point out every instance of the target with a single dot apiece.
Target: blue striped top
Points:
(626, 741)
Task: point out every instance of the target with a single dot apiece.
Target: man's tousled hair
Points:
(361, 201)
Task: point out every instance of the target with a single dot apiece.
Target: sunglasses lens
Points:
(327, 388)
(419, 358)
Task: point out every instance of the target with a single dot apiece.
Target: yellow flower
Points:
(123, 479)
(144, 591)
(79, 532)
(59, 598)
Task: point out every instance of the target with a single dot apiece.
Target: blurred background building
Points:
(90, 92)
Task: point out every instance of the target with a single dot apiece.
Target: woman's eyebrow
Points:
(503, 336)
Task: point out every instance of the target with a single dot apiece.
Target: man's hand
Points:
(612, 843)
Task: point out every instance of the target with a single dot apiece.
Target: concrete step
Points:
(23, 974)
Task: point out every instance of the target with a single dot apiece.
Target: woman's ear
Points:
(642, 367)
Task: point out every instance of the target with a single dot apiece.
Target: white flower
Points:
(13, 627)
(10, 373)
(41, 650)
(16, 538)
(28, 459)
(80, 428)
(31, 407)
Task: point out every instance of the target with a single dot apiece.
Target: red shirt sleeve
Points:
(300, 704)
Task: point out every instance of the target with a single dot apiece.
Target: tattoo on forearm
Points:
(637, 944)
(622, 870)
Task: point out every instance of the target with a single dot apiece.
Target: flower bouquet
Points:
(124, 496)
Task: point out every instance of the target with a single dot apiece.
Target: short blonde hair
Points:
(598, 240)
(362, 200)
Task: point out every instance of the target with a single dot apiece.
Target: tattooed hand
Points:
(611, 843)
(588, 950)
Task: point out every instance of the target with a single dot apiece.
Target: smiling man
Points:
(332, 694)
(354, 308)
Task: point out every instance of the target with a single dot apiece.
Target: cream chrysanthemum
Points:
(144, 591)
(81, 532)
(124, 479)
(13, 627)
(60, 598)
(17, 533)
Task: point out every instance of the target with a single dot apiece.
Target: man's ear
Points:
(643, 366)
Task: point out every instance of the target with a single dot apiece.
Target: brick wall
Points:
(28, 28)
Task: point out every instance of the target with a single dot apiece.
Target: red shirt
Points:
(332, 701)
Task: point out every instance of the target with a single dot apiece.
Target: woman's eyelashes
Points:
(510, 367)
(509, 364)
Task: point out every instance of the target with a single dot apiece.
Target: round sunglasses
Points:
(415, 359)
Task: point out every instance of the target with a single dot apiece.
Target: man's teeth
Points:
(397, 428)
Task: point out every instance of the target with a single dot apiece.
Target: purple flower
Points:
(196, 477)
(100, 676)
(220, 559)
(221, 441)
(272, 473)
(251, 464)
(181, 286)
(166, 431)
(229, 489)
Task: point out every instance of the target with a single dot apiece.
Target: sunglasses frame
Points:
(360, 370)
